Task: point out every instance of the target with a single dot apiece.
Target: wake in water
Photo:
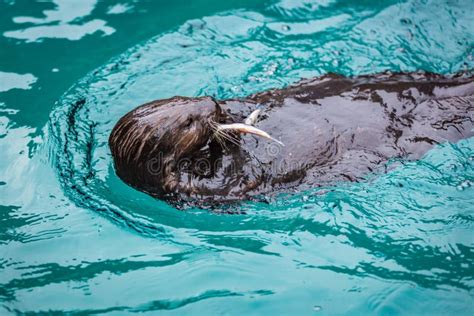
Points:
(411, 227)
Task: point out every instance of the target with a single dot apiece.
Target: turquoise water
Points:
(74, 238)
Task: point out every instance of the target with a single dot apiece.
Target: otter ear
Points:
(247, 129)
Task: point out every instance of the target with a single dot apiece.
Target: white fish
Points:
(247, 129)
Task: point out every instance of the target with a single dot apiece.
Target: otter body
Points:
(332, 128)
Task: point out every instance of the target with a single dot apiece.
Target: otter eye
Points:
(188, 122)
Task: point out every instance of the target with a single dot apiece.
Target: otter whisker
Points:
(227, 137)
(220, 141)
(222, 135)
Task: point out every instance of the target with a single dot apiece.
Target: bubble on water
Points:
(317, 308)
(464, 185)
(256, 79)
(236, 89)
(270, 69)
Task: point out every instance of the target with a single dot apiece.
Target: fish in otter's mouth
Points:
(313, 133)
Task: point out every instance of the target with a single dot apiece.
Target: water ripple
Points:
(405, 232)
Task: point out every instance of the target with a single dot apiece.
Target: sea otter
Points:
(313, 133)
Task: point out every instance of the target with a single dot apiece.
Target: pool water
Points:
(74, 238)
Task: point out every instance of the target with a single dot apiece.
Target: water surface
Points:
(74, 238)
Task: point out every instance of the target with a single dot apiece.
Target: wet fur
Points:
(334, 128)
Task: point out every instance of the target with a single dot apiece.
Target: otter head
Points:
(176, 148)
